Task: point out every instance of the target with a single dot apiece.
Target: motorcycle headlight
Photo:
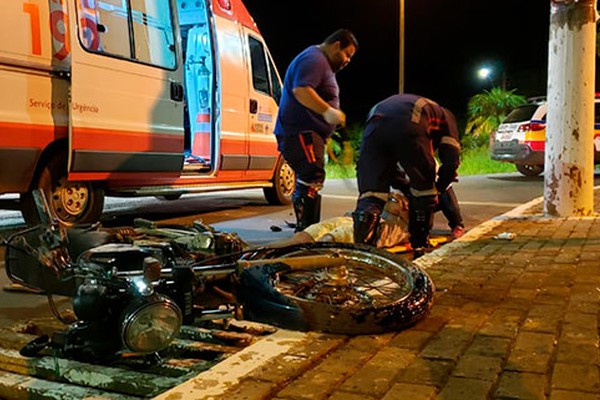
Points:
(150, 324)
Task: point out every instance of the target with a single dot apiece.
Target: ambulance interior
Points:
(198, 83)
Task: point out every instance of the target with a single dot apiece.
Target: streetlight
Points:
(487, 73)
(484, 73)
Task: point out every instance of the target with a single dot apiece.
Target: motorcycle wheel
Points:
(373, 292)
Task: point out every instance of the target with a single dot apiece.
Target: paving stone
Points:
(521, 385)
(479, 311)
(478, 367)
(350, 396)
(584, 378)
(577, 353)
(438, 317)
(583, 307)
(250, 389)
(461, 389)
(543, 318)
(282, 368)
(490, 346)
(574, 333)
(426, 372)
(581, 320)
(370, 343)
(319, 347)
(568, 395)
(503, 322)
(411, 339)
(522, 293)
(408, 391)
(313, 385)
(451, 300)
(531, 352)
(345, 360)
(448, 344)
(376, 376)
(531, 280)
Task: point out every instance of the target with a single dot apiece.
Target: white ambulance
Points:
(135, 98)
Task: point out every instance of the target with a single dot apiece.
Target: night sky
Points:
(445, 43)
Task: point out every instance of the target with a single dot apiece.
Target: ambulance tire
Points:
(379, 291)
(283, 180)
(71, 203)
(530, 170)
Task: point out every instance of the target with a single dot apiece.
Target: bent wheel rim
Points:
(369, 281)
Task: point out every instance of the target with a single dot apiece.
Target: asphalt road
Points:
(246, 212)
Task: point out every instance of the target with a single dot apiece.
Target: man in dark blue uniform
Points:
(405, 129)
(308, 113)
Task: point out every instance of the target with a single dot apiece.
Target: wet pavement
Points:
(512, 319)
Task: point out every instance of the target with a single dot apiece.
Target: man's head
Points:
(339, 47)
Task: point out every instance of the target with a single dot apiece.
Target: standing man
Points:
(405, 129)
(309, 112)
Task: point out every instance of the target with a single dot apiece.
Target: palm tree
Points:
(488, 109)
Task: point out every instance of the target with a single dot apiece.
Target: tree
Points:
(487, 110)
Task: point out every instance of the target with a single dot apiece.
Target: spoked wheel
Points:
(372, 291)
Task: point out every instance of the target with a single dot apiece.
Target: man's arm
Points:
(308, 97)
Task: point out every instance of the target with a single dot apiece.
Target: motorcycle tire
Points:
(373, 292)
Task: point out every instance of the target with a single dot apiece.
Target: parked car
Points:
(520, 138)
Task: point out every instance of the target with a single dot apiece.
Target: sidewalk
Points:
(512, 319)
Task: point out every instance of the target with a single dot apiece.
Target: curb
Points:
(430, 259)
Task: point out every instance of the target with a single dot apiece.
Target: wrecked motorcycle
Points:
(132, 288)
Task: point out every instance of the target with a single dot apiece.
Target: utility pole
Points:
(569, 162)
(401, 52)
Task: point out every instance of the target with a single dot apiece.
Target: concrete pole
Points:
(401, 50)
(569, 172)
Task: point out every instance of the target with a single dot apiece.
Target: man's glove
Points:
(347, 153)
(334, 116)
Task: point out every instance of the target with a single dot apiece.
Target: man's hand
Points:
(334, 116)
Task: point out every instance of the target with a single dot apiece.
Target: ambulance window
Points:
(153, 32)
(275, 84)
(141, 30)
(103, 25)
(260, 77)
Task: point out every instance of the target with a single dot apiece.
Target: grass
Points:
(473, 162)
(477, 161)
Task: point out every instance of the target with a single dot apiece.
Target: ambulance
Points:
(135, 98)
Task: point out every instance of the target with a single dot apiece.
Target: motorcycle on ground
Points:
(132, 288)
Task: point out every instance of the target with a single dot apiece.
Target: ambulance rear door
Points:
(126, 108)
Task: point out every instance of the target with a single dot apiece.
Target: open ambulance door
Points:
(126, 105)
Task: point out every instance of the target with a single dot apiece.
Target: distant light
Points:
(484, 73)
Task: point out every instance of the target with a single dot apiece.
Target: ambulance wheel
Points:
(284, 180)
(373, 291)
(530, 170)
(70, 202)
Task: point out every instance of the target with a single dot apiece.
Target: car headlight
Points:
(150, 324)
